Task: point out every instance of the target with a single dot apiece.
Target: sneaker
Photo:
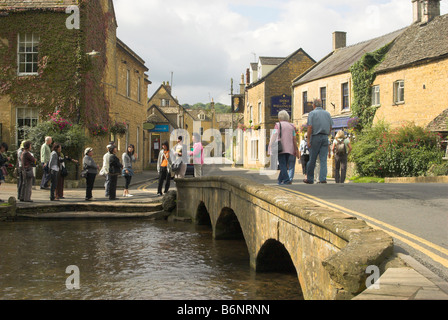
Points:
(130, 195)
(322, 182)
(159, 194)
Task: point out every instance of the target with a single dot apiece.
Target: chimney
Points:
(242, 84)
(247, 75)
(339, 40)
(430, 9)
(167, 87)
(416, 11)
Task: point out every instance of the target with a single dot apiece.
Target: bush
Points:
(407, 151)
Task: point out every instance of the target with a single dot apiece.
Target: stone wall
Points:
(425, 94)
(330, 250)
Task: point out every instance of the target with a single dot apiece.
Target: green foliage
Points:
(67, 79)
(363, 76)
(72, 138)
(407, 151)
(219, 107)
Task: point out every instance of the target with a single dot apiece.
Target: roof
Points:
(194, 113)
(285, 60)
(440, 123)
(168, 91)
(418, 43)
(36, 4)
(272, 61)
(340, 60)
(131, 53)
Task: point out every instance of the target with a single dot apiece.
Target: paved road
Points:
(416, 215)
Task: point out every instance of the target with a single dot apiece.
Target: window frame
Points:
(376, 96)
(345, 98)
(397, 94)
(31, 114)
(323, 98)
(34, 64)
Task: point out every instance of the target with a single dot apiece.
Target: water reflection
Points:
(130, 259)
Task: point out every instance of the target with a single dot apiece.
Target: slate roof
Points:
(418, 43)
(440, 123)
(272, 61)
(340, 60)
(35, 4)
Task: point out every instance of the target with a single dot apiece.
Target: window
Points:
(128, 83)
(165, 103)
(259, 113)
(399, 91)
(25, 117)
(28, 54)
(375, 95)
(345, 96)
(307, 106)
(323, 97)
(202, 117)
(254, 150)
(139, 98)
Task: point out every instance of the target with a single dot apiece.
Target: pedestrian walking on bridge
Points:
(319, 128)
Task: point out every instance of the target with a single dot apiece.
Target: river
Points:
(130, 260)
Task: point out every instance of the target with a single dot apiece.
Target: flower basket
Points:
(118, 128)
(97, 130)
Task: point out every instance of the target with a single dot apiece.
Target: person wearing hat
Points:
(105, 169)
(91, 168)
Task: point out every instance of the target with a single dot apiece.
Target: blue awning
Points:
(340, 122)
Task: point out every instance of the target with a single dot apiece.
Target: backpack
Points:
(340, 147)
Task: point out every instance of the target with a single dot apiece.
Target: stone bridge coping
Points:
(364, 246)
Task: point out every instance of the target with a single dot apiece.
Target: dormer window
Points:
(202, 116)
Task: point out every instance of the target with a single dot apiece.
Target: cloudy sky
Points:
(202, 44)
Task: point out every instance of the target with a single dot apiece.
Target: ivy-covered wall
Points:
(68, 80)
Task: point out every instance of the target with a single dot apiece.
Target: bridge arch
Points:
(228, 226)
(274, 257)
(202, 215)
(329, 249)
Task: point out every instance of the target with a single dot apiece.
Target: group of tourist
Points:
(284, 144)
(315, 144)
(54, 169)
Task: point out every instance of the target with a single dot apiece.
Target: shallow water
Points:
(130, 260)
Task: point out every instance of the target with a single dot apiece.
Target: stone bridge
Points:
(330, 251)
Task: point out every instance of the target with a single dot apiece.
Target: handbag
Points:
(64, 172)
(279, 141)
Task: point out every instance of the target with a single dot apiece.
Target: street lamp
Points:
(93, 53)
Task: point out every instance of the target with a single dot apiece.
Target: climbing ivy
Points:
(67, 80)
(363, 76)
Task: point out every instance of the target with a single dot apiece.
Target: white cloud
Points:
(205, 43)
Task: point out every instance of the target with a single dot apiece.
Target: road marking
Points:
(376, 223)
(146, 185)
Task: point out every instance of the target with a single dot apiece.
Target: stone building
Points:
(82, 70)
(411, 83)
(269, 93)
(330, 80)
(164, 114)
